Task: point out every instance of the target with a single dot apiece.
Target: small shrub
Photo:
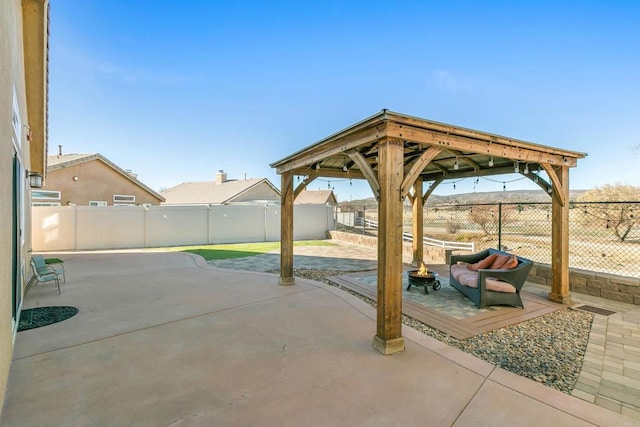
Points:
(452, 227)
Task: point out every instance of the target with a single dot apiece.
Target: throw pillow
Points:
(504, 262)
(511, 263)
(499, 261)
(485, 263)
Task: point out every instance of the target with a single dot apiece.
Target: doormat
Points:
(596, 310)
(32, 318)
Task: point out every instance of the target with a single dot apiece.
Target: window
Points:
(45, 195)
(123, 199)
(45, 203)
(97, 203)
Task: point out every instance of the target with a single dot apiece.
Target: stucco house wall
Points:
(94, 181)
(22, 139)
(262, 191)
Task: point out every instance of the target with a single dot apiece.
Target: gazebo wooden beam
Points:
(466, 159)
(330, 173)
(343, 144)
(447, 129)
(455, 142)
(467, 174)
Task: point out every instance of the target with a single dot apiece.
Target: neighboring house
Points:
(222, 191)
(24, 33)
(316, 197)
(91, 180)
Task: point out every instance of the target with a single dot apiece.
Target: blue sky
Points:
(177, 90)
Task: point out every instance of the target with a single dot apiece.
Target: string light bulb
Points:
(455, 165)
(516, 167)
(491, 162)
(526, 168)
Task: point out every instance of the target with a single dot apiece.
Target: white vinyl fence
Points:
(56, 228)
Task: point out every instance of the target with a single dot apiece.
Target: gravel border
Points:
(548, 349)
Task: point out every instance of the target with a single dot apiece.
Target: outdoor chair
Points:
(43, 276)
(52, 264)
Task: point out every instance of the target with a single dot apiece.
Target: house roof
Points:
(67, 160)
(315, 197)
(35, 31)
(210, 192)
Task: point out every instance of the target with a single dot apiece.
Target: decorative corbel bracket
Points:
(311, 176)
(416, 169)
(366, 170)
(558, 190)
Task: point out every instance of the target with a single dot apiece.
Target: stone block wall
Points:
(432, 255)
(603, 285)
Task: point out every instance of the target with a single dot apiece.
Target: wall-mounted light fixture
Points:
(35, 180)
(75, 178)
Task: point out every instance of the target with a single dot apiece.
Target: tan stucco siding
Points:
(96, 182)
(12, 80)
(263, 191)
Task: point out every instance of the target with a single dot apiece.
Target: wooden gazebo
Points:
(397, 154)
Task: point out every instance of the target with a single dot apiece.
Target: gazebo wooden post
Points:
(560, 238)
(286, 230)
(418, 223)
(388, 339)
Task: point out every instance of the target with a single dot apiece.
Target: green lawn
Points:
(239, 250)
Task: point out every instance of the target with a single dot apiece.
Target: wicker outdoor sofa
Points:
(490, 277)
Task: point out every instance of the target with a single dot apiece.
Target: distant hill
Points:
(514, 196)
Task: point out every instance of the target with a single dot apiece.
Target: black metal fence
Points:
(603, 236)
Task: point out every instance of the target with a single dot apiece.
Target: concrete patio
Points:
(166, 339)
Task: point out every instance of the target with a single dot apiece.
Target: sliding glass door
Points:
(17, 239)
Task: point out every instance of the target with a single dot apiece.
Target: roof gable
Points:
(66, 160)
(315, 197)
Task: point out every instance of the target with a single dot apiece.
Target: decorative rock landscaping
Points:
(549, 349)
